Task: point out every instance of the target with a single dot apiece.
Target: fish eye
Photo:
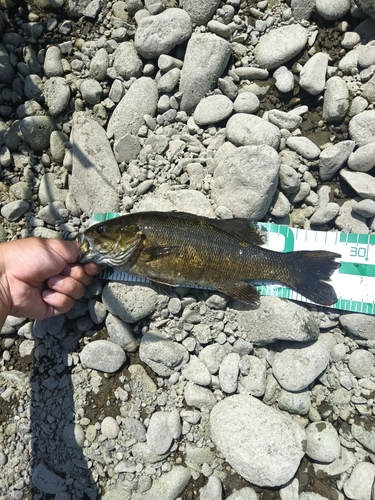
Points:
(100, 229)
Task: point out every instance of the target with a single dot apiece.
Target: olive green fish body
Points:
(184, 249)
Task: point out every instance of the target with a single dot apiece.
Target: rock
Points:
(169, 80)
(367, 6)
(196, 371)
(289, 179)
(219, 29)
(51, 213)
(363, 159)
(284, 79)
(168, 486)
(228, 372)
(350, 221)
(162, 355)
(141, 99)
(56, 94)
(161, 431)
(130, 302)
(14, 210)
(361, 363)
(363, 436)
(136, 429)
(49, 192)
(323, 443)
(302, 9)
(294, 402)
(249, 130)
(199, 397)
(365, 208)
(126, 62)
(103, 355)
(246, 181)
(95, 171)
(36, 131)
(213, 109)
(91, 91)
(200, 12)
(277, 319)
(358, 485)
(243, 494)
(254, 375)
(156, 35)
(7, 72)
(52, 65)
(332, 158)
(47, 481)
(246, 102)
(206, 57)
(99, 65)
(251, 73)
(350, 40)
(362, 129)
(289, 121)
(345, 461)
(296, 366)
(313, 74)
(336, 100)
(336, 9)
(57, 144)
(121, 333)
(109, 428)
(127, 148)
(303, 146)
(261, 444)
(363, 184)
(359, 325)
(280, 45)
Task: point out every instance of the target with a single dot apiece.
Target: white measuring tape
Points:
(354, 281)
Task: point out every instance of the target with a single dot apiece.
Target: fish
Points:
(175, 248)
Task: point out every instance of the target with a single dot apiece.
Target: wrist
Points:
(4, 294)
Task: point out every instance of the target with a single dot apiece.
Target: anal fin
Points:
(241, 291)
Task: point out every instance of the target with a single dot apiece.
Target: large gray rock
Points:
(246, 181)
(250, 130)
(362, 127)
(161, 354)
(141, 99)
(56, 94)
(333, 158)
(156, 35)
(276, 319)
(103, 355)
(313, 74)
(360, 325)
(126, 62)
(95, 171)
(264, 446)
(336, 100)
(205, 60)
(130, 303)
(200, 12)
(280, 45)
(36, 131)
(362, 183)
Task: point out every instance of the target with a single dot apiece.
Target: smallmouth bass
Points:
(176, 248)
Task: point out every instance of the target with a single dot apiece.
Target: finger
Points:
(77, 272)
(58, 303)
(67, 286)
(92, 268)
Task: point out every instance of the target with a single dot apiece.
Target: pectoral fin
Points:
(152, 253)
(241, 291)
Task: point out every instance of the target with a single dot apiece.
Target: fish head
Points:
(109, 244)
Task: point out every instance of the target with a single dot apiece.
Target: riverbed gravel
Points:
(225, 109)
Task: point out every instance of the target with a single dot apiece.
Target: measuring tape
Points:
(353, 282)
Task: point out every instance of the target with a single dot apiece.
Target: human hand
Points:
(40, 278)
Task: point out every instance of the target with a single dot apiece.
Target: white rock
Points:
(335, 9)
(228, 372)
(332, 158)
(196, 371)
(246, 181)
(261, 444)
(297, 365)
(363, 159)
(103, 355)
(313, 73)
(361, 363)
(323, 443)
(363, 184)
(359, 484)
(284, 79)
(56, 94)
(213, 109)
(249, 130)
(280, 45)
(246, 102)
(131, 303)
(336, 100)
(303, 146)
(110, 428)
(362, 127)
(161, 354)
(126, 62)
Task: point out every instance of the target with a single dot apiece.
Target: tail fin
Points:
(311, 269)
